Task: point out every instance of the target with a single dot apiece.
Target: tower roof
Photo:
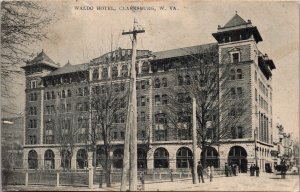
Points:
(236, 20)
(43, 59)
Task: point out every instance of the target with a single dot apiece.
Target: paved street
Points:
(242, 182)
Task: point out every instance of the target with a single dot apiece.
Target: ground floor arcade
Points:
(157, 156)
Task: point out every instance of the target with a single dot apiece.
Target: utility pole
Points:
(132, 113)
(194, 143)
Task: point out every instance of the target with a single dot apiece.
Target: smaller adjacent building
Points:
(12, 136)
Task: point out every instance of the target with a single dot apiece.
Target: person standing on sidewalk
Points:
(210, 170)
(200, 171)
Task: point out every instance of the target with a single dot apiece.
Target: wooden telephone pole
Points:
(130, 144)
(194, 143)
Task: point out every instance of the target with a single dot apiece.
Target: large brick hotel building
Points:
(58, 98)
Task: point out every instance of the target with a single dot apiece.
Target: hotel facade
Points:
(58, 100)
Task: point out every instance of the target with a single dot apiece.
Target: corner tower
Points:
(35, 69)
(249, 82)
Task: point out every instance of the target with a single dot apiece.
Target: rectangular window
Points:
(69, 107)
(157, 99)
(62, 108)
(115, 135)
(143, 134)
(143, 117)
(235, 57)
(239, 91)
(255, 94)
(32, 139)
(143, 101)
(240, 132)
(122, 135)
(233, 132)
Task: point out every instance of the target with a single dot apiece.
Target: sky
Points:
(81, 35)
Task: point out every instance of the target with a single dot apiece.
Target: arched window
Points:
(145, 68)
(157, 83)
(114, 72)
(100, 157)
(32, 159)
(187, 80)
(239, 74)
(212, 156)
(49, 159)
(184, 158)
(124, 71)
(66, 159)
(104, 73)
(118, 158)
(69, 93)
(161, 158)
(95, 74)
(142, 158)
(164, 82)
(180, 80)
(82, 159)
(232, 74)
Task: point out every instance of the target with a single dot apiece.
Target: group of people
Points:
(231, 169)
(254, 169)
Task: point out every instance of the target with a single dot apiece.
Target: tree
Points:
(109, 100)
(220, 102)
(22, 25)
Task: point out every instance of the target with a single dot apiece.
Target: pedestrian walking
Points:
(200, 172)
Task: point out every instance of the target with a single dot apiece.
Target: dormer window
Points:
(235, 57)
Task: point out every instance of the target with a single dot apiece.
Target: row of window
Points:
(83, 106)
(236, 93)
(161, 100)
(142, 84)
(32, 111)
(236, 74)
(105, 89)
(33, 97)
(115, 72)
(235, 110)
(32, 123)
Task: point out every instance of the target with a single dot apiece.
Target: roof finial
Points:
(42, 50)
(236, 12)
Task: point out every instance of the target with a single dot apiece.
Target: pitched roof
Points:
(236, 20)
(68, 68)
(198, 49)
(44, 59)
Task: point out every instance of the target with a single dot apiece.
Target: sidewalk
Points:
(242, 182)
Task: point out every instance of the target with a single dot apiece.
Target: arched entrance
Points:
(118, 158)
(161, 158)
(49, 159)
(66, 159)
(183, 157)
(32, 159)
(82, 159)
(212, 157)
(142, 158)
(238, 155)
